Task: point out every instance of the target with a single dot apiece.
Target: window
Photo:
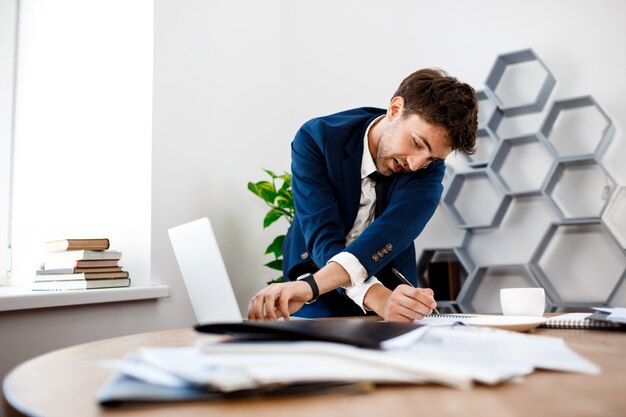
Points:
(82, 130)
(8, 41)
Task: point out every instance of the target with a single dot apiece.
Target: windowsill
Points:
(20, 298)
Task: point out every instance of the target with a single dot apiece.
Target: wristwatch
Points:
(308, 278)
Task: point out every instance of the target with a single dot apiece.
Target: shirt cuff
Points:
(357, 293)
(351, 264)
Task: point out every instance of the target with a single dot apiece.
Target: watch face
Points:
(303, 276)
(309, 279)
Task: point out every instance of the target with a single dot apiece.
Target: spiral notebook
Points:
(585, 321)
(514, 323)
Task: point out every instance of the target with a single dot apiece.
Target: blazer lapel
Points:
(351, 174)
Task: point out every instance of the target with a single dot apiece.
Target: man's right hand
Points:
(404, 304)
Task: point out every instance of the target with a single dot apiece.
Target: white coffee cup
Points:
(522, 301)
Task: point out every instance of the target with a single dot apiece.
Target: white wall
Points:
(217, 121)
(234, 80)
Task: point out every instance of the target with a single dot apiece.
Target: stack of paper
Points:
(454, 356)
(615, 314)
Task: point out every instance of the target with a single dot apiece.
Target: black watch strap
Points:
(308, 278)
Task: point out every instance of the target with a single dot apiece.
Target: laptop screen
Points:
(204, 273)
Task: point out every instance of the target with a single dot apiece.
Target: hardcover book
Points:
(79, 284)
(67, 264)
(81, 275)
(77, 244)
(76, 270)
(80, 255)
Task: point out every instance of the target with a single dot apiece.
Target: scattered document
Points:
(454, 356)
(615, 314)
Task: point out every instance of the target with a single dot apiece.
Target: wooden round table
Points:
(65, 383)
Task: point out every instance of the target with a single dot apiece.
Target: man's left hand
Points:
(276, 300)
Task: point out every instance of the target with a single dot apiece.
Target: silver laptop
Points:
(204, 273)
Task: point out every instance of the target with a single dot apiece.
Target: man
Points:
(350, 230)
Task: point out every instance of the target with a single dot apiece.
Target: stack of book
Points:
(80, 264)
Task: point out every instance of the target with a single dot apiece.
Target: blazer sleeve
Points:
(413, 200)
(315, 198)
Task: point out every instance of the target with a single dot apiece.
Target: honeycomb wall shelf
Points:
(538, 208)
(514, 241)
(450, 268)
(578, 128)
(486, 143)
(520, 83)
(467, 212)
(487, 107)
(522, 164)
(566, 262)
(570, 180)
(476, 296)
(615, 216)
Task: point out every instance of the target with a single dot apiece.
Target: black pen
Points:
(407, 282)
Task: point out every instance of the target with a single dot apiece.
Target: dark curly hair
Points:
(443, 101)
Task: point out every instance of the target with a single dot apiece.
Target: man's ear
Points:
(396, 106)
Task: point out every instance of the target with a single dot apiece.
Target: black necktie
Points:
(380, 188)
(385, 275)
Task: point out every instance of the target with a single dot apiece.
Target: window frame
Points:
(9, 19)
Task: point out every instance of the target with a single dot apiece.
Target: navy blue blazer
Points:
(326, 166)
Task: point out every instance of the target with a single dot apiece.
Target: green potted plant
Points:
(278, 196)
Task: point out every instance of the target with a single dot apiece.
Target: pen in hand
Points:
(407, 282)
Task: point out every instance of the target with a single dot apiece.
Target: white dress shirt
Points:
(359, 283)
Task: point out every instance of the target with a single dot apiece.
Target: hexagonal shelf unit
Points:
(618, 298)
(448, 174)
(571, 257)
(482, 289)
(578, 128)
(486, 143)
(520, 83)
(579, 189)
(615, 216)
(533, 201)
(486, 108)
(444, 272)
(522, 164)
(473, 200)
(515, 239)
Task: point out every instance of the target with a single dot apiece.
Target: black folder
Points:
(356, 332)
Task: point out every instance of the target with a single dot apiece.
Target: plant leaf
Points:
(271, 217)
(276, 247)
(270, 173)
(279, 197)
(276, 264)
(286, 177)
(281, 201)
(284, 199)
(266, 191)
(252, 187)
